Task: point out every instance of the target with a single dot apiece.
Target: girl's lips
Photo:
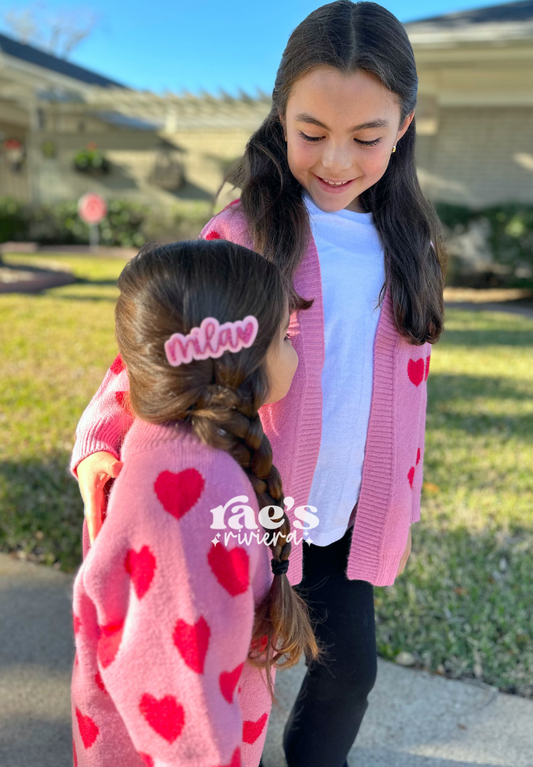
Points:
(333, 189)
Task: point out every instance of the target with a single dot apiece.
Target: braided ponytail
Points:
(281, 626)
(169, 289)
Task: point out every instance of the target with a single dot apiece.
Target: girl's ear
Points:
(406, 123)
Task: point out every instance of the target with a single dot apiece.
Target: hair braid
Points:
(224, 418)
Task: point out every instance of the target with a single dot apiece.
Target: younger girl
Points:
(329, 191)
(171, 665)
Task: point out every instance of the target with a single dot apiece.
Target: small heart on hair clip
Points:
(211, 340)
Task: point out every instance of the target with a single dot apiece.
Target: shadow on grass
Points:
(446, 387)
(109, 299)
(42, 510)
(493, 336)
(97, 283)
(466, 594)
(448, 393)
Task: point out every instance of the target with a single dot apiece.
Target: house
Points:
(47, 119)
(475, 110)
(474, 120)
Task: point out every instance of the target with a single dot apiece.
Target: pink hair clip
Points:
(211, 340)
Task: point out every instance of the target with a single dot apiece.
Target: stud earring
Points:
(393, 148)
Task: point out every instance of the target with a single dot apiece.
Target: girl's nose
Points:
(336, 160)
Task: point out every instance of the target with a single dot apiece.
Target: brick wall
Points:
(480, 156)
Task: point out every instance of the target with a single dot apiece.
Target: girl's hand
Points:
(405, 555)
(93, 474)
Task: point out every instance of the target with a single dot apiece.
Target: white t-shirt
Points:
(353, 271)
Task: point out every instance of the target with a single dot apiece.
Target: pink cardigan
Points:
(163, 617)
(389, 499)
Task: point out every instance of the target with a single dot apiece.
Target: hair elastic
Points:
(211, 340)
(279, 568)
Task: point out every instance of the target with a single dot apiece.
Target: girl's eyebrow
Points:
(304, 117)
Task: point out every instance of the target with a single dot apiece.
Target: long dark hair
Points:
(170, 289)
(350, 37)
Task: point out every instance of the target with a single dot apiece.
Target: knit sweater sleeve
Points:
(174, 616)
(107, 418)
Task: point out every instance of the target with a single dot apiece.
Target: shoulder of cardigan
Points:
(232, 221)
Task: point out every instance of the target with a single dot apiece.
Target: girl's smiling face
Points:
(340, 127)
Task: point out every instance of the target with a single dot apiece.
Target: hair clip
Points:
(211, 340)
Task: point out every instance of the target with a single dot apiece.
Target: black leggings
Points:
(332, 701)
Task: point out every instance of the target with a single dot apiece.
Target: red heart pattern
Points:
(100, 682)
(74, 754)
(252, 730)
(123, 399)
(165, 716)
(228, 681)
(192, 642)
(411, 472)
(245, 334)
(235, 759)
(415, 370)
(147, 760)
(213, 236)
(109, 642)
(231, 568)
(141, 568)
(118, 365)
(178, 493)
(260, 644)
(427, 366)
(88, 729)
(76, 623)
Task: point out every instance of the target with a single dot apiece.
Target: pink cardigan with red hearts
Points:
(163, 616)
(389, 499)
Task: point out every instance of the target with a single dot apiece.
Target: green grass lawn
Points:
(463, 605)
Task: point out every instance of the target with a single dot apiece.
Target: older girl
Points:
(329, 191)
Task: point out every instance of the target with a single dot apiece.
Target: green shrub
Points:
(181, 222)
(13, 220)
(128, 224)
(124, 224)
(510, 237)
(60, 224)
(90, 160)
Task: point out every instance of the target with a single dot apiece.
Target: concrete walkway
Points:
(414, 719)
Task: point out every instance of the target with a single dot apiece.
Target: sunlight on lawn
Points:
(463, 603)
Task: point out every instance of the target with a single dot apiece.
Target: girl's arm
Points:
(106, 419)
(175, 617)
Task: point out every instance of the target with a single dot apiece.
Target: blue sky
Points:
(201, 44)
